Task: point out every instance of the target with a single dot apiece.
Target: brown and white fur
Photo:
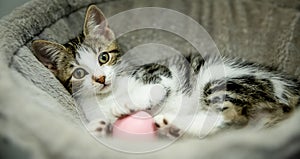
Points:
(187, 96)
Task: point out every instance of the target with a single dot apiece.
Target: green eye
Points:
(79, 73)
(103, 58)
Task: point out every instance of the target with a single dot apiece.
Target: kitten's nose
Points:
(100, 79)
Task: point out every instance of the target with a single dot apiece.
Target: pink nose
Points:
(100, 79)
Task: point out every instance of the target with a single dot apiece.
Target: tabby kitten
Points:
(86, 66)
(181, 93)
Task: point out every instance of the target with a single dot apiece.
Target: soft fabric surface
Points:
(38, 117)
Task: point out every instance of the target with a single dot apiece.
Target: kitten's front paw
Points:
(165, 128)
(99, 128)
(121, 110)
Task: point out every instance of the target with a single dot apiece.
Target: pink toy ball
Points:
(137, 126)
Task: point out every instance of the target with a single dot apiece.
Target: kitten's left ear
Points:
(50, 54)
(95, 24)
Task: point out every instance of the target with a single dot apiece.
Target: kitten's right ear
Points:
(48, 53)
(95, 24)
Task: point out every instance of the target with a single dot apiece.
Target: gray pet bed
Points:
(38, 118)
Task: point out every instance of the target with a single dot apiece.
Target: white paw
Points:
(99, 128)
(166, 128)
(122, 109)
(160, 121)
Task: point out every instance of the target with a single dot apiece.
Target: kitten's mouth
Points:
(105, 86)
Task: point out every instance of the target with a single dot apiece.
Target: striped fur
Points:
(199, 96)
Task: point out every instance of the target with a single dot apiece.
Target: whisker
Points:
(80, 91)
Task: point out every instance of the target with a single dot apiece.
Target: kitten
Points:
(189, 94)
(86, 66)
(245, 95)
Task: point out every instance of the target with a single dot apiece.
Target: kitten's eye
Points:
(103, 58)
(79, 73)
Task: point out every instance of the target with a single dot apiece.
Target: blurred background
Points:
(6, 6)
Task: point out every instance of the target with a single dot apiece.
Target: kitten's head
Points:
(88, 68)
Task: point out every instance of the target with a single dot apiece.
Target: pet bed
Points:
(39, 119)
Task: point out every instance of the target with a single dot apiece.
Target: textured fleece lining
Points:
(39, 119)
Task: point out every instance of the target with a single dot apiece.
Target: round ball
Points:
(139, 125)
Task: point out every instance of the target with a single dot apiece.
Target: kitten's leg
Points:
(99, 128)
(144, 88)
(135, 96)
(154, 79)
(200, 124)
(166, 128)
(146, 96)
